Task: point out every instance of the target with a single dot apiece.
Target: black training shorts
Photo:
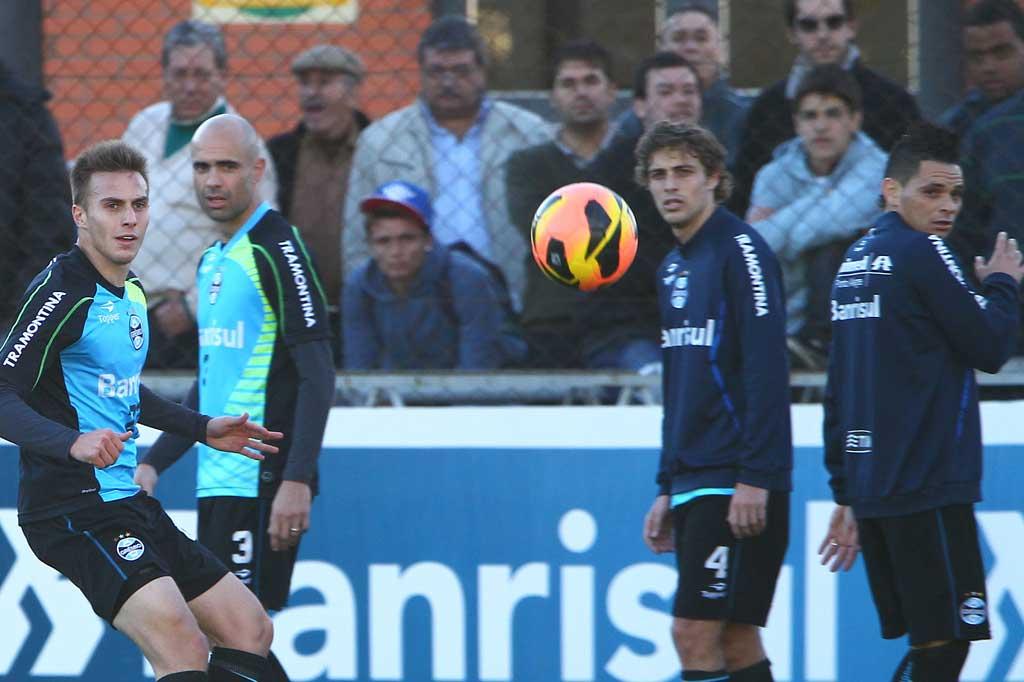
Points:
(111, 550)
(235, 529)
(720, 577)
(926, 574)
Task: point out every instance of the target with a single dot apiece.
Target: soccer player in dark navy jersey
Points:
(726, 460)
(902, 425)
(71, 398)
(264, 350)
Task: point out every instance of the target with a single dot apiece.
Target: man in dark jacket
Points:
(35, 195)
(823, 31)
(902, 426)
(726, 458)
(582, 93)
(313, 160)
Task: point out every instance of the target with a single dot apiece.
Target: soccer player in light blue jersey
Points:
(71, 397)
(264, 350)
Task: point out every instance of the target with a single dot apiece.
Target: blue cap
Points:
(403, 196)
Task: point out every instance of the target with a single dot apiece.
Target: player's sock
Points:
(706, 675)
(759, 672)
(185, 676)
(233, 665)
(274, 671)
(939, 663)
(903, 671)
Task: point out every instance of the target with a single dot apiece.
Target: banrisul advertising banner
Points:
(505, 544)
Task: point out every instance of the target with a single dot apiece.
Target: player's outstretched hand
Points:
(146, 477)
(658, 526)
(101, 447)
(841, 542)
(238, 434)
(289, 514)
(1006, 258)
(748, 511)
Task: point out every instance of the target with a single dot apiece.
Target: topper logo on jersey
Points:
(756, 274)
(688, 336)
(301, 281)
(108, 315)
(109, 386)
(32, 328)
(225, 338)
(135, 332)
(680, 289)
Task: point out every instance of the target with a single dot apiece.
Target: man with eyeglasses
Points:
(823, 31)
(194, 60)
(453, 142)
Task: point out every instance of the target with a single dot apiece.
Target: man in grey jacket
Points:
(453, 141)
(811, 201)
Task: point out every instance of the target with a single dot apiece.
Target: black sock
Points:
(233, 665)
(185, 676)
(759, 672)
(939, 663)
(707, 675)
(274, 671)
(903, 670)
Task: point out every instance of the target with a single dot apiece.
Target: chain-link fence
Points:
(484, 139)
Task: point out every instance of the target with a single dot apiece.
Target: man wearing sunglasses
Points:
(823, 31)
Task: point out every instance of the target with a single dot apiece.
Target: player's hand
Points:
(658, 526)
(748, 511)
(146, 477)
(1006, 258)
(841, 542)
(101, 447)
(238, 434)
(289, 514)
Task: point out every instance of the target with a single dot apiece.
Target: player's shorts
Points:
(926, 574)
(235, 529)
(720, 577)
(111, 550)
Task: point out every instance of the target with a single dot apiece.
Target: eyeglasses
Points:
(833, 22)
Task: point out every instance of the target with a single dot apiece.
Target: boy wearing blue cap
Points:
(417, 304)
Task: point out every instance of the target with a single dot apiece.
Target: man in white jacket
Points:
(812, 200)
(194, 63)
(453, 141)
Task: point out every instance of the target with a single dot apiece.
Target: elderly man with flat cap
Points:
(313, 160)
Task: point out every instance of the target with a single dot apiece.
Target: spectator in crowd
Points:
(691, 31)
(994, 46)
(823, 31)
(418, 304)
(194, 61)
(314, 159)
(453, 141)
(813, 199)
(620, 323)
(35, 195)
(582, 93)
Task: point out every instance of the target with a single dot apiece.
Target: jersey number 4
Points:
(718, 561)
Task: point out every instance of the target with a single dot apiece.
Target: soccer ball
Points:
(584, 236)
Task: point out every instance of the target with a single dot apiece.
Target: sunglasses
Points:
(833, 22)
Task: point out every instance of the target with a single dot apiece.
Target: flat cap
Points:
(330, 58)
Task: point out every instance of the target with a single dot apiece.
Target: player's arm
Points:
(167, 449)
(981, 328)
(757, 308)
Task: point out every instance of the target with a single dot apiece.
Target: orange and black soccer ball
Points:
(584, 236)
